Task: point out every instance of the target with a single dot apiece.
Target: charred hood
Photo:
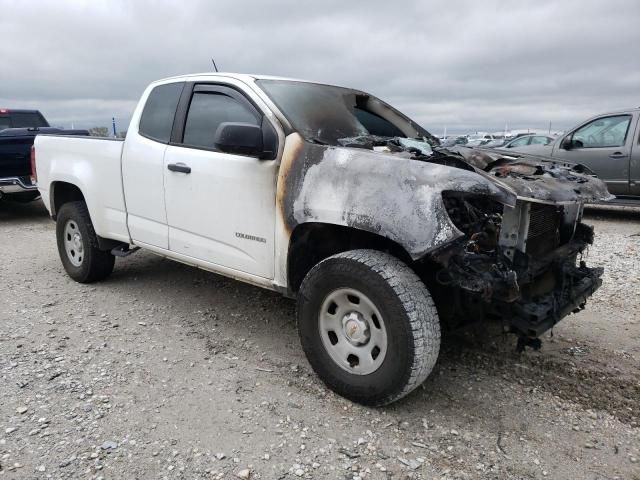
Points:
(534, 177)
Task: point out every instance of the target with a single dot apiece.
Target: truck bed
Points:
(90, 164)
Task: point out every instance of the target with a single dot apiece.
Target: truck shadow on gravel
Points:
(240, 312)
(16, 213)
(584, 380)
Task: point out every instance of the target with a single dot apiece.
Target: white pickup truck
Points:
(330, 195)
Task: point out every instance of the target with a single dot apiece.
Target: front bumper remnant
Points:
(534, 317)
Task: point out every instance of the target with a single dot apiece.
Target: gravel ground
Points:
(165, 371)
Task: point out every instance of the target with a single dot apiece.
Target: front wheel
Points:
(78, 245)
(368, 326)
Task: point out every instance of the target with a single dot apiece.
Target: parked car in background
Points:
(476, 142)
(498, 142)
(18, 129)
(525, 141)
(608, 144)
(478, 139)
(333, 196)
(460, 140)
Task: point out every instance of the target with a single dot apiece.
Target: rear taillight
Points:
(34, 171)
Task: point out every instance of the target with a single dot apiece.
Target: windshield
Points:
(327, 114)
(4, 123)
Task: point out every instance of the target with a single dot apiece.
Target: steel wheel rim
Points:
(353, 331)
(73, 245)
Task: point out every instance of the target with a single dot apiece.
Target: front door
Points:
(603, 145)
(220, 206)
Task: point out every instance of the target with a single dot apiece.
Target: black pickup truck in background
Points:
(18, 129)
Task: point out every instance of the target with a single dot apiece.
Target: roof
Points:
(4, 110)
(238, 76)
(627, 110)
(243, 77)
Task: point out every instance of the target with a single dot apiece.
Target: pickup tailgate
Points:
(91, 165)
(15, 148)
(14, 156)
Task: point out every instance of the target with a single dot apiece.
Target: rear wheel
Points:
(368, 326)
(78, 245)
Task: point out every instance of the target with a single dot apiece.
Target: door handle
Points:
(618, 155)
(179, 167)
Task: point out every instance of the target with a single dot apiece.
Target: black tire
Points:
(409, 317)
(94, 264)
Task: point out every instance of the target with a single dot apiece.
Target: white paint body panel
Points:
(132, 197)
(92, 165)
(143, 181)
(223, 212)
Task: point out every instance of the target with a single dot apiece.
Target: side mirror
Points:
(239, 138)
(567, 144)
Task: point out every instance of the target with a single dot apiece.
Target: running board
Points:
(124, 251)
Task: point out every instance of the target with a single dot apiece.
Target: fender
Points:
(389, 195)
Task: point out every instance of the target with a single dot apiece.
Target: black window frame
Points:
(155, 139)
(182, 112)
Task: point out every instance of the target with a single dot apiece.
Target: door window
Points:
(157, 117)
(604, 132)
(519, 142)
(207, 111)
(539, 140)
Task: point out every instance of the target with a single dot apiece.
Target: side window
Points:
(207, 111)
(604, 132)
(157, 117)
(539, 140)
(520, 142)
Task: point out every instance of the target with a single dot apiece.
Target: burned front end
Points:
(493, 236)
(521, 264)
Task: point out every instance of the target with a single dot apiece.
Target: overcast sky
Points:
(466, 65)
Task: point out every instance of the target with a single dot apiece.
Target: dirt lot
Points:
(165, 371)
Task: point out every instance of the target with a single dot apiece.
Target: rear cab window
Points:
(27, 120)
(159, 111)
(22, 120)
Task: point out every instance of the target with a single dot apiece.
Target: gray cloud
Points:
(466, 65)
